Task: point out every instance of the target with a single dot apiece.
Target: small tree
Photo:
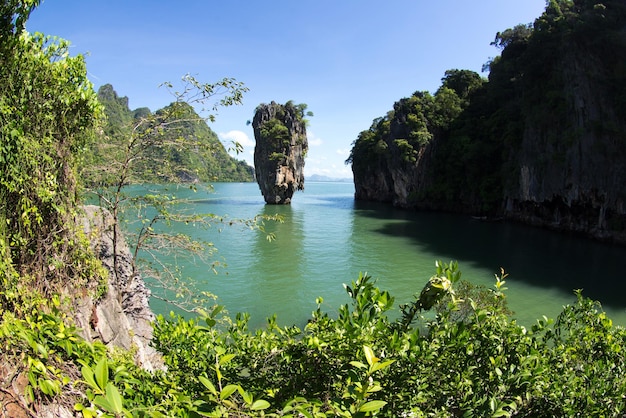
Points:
(149, 144)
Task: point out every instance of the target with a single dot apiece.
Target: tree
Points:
(157, 146)
(517, 35)
(463, 82)
(48, 110)
(13, 17)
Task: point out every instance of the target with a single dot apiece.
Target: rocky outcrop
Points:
(122, 317)
(281, 145)
(542, 142)
(572, 173)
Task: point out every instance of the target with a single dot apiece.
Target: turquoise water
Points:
(327, 238)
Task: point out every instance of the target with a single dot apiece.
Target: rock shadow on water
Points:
(538, 257)
(338, 202)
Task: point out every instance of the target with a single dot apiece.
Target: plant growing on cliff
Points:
(47, 111)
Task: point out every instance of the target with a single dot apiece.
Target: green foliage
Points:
(173, 146)
(465, 357)
(462, 82)
(13, 16)
(480, 363)
(275, 131)
(355, 363)
(398, 140)
(183, 149)
(43, 347)
(48, 110)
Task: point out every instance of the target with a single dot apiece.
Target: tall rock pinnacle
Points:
(281, 145)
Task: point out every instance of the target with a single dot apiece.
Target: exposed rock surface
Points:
(281, 145)
(577, 183)
(122, 317)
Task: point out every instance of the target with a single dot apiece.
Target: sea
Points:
(326, 239)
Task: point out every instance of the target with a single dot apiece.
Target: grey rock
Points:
(122, 317)
(281, 145)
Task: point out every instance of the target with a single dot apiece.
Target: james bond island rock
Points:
(281, 146)
(542, 141)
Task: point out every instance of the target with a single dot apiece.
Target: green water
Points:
(327, 239)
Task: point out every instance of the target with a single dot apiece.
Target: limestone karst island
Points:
(281, 146)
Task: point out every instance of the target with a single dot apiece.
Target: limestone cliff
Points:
(541, 141)
(187, 151)
(571, 172)
(281, 146)
(122, 317)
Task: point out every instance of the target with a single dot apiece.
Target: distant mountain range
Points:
(318, 177)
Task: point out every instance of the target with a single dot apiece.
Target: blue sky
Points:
(349, 60)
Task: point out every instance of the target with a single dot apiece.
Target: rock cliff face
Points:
(577, 182)
(281, 145)
(542, 142)
(122, 317)
(401, 173)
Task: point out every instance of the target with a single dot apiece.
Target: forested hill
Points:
(542, 140)
(190, 151)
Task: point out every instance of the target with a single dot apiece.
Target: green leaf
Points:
(227, 391)
(372, 406)
(226, 358)
(260, 405)
(208, 384)
(102, 403)
(114, 398)
(88, 375)
(358, 364)
(102, 373)
(369, 355)
(247, 396)
(380, 366)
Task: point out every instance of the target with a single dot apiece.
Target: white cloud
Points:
(237, 136)
(343, 152)
(242, 138)
(313, 140)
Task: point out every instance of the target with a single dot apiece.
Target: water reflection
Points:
(277, 265)
(327, 238)
(534, 256)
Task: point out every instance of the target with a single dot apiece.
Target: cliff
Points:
(122, 317)
(281, 145)
(540, 142)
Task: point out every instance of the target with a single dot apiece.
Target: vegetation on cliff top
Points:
(466, 358)
(189, 151)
